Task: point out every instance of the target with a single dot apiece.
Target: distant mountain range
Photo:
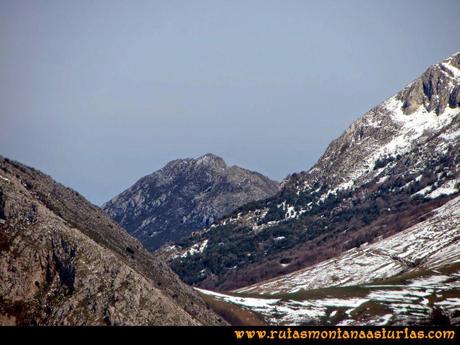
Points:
(184, 196)
(386, 173)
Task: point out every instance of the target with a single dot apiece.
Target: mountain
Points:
(384, 174)
(412, 277)
(428, 245)
(63, 261)
(183, 196)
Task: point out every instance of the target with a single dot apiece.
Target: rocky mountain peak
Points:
(191, 166)
(185, 195)
(211, 159)
(427, 105)
(436, 89)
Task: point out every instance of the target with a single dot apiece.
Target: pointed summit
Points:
(435, 90)
(212, 160)
(185, 195)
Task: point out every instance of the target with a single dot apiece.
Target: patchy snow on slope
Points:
(386, 258)
(450, 302)
(454, 70)
(411, 301)
(404, 132)
(430, 281)
(196, 248)
(382, 179)
(455, 135)
(450, 253)
(423, 191)
(290, 211)
(278, 311)
(413, 126)
(447, 188)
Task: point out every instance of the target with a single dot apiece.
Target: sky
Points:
(100, 93)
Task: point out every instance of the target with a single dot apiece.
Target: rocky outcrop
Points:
(63, 261)
(454, 99)
(185, 195)
(436, 89)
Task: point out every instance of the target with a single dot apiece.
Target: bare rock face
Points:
(184, 196)
(433, 90)
(63, 261)
(454, 99)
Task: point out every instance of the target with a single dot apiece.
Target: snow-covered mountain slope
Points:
(427, 245)
(431, 297)
(385, 173)
(184, 196)
(422, 111)
(412, 277)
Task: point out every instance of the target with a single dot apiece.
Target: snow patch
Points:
(447, 188)
(196, 248)
(423, 242)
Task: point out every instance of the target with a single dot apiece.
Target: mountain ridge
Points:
(63, 261)
(183, 196)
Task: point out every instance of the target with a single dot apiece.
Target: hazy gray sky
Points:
(100, 93)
